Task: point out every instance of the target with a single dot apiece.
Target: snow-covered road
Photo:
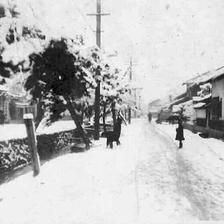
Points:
(201, 169)
(157, 174)
(144, 180)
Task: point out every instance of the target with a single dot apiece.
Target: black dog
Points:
(113, 136)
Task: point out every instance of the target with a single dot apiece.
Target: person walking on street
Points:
(149, 117)
(180, 134)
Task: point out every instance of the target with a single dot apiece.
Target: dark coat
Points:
(149, 117)
(179, 133)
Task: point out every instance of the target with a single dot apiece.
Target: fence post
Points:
(32, 142)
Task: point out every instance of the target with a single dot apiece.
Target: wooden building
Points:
(216, 120)
(14, 107)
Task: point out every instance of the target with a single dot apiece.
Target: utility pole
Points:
(98, 15)
(130, 79)
(137, 98)
(133, 92)
(130, 74)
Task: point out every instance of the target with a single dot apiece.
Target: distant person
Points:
(149, 117)
(113, 136)
(2, 117)
(180, 134)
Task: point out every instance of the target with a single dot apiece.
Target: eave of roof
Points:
(217, 74)
(199, 105)
(181, 100)
(201, 99)
(181, 96)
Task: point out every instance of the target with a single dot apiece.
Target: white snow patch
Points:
(17, 131)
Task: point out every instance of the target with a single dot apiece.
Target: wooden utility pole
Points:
(98, 15)
(130, 79)
(32, 142)
(130, 74)
(133, 91)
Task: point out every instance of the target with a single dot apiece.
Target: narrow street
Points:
(141, 181)
(70, 69)
(158, 177)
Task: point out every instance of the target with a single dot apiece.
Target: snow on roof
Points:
(182, 95)
(179, 101)
(200, 79)
(206, 77)
(187, 103)
(218, 73)
(199, 99)
(199, 105)
(189, 81)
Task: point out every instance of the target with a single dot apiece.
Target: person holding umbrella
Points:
(180, 133)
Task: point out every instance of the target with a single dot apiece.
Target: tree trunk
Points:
(77, 123)
(104, 117)
(97, 112)
(113, 113)
(129, 114)
(82, 116)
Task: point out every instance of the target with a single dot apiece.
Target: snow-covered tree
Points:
(59, 78)
(19, 38)
(181, 114)
(113, 90)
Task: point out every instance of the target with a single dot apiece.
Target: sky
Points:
(169, 41)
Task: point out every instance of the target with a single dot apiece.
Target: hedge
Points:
(15, 153)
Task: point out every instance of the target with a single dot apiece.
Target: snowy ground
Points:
(145, 180)
(201, 162)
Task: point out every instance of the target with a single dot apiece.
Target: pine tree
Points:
(58, 79)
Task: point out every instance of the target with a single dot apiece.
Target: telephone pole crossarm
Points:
(98, 14)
